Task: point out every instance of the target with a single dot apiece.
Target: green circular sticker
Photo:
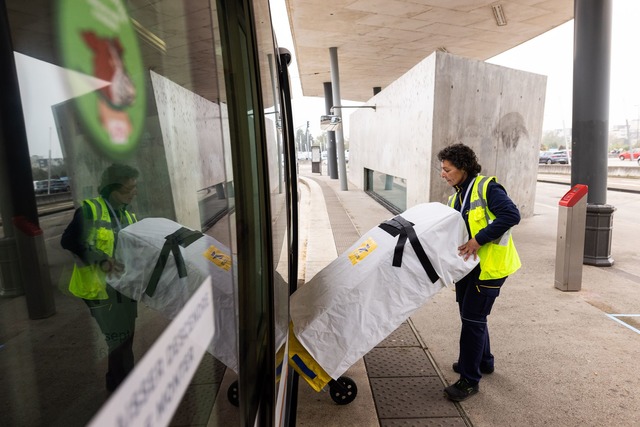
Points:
(97, 40)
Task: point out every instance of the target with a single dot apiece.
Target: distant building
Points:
(620, 131)
(43, 162)
(628, 132)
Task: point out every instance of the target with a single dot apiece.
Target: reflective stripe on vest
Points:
(101, 233)
(89, 281)
(498, 258)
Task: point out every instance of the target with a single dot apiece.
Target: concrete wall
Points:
(616, 171)
(445, 99)
(395, 139)
(192, 137)
(180, 155)
(86, 163)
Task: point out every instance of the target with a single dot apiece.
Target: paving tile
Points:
(401, 337)
(398, 362)
(415, 397)
(423, 422)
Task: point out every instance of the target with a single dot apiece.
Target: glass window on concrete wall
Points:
(389, 190)
(128, 146)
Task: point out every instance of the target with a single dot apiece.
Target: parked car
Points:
(56, 186)
(59, 185)
(545, 157)
(560, 156)
(630, 155)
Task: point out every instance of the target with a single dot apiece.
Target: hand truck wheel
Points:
(232, 394)
(343, 391)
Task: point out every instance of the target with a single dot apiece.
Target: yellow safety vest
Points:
(89, 281)
(498, 258)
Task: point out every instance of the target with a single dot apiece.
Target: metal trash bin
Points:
(598, 233)
(10, 280)
(572, 216)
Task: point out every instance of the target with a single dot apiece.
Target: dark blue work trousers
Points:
(116, 317)
(475, 298)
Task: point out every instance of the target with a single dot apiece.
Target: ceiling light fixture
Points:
(498, 13)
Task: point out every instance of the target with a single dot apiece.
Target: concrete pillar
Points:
(388, 182)
(335, 82)
(332, 163)
(590, 129)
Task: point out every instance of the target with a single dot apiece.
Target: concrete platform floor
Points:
(562, 358)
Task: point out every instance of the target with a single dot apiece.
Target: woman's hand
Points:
(468, 249)
(110, 265)
(106, 265)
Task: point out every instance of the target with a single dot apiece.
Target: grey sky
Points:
(551, 54)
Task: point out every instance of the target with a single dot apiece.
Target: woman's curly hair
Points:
(462, 157)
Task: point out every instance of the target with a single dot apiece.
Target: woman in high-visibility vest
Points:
(489, 214)
(92, 236)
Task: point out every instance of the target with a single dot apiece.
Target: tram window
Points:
(58, 369)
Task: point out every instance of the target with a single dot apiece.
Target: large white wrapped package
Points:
(139, 247)
(360, 298)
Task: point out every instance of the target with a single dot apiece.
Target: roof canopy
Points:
(379, 40)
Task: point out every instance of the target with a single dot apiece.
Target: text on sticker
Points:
(218, 257)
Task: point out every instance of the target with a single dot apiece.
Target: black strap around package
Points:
(182, 237)
(400, 226)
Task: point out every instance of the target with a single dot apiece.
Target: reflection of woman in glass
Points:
(92, 236)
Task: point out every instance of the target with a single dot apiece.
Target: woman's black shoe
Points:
(461, 390)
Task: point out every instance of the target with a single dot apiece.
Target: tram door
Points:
(162, 124)
(269, 208)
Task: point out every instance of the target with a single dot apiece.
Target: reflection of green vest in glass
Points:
(498, 258)
(89, 281)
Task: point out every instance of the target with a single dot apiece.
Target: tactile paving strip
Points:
(344, 233)
(401, 337)
(414, 397)
(398, 362)
(424, 422)
(196, 404)
(210, 370)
